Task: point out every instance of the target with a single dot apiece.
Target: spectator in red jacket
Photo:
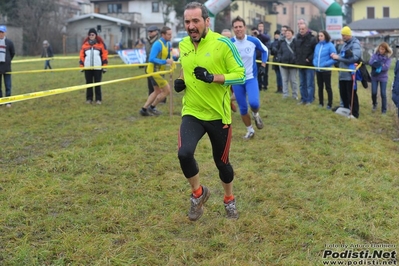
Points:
(93, 54)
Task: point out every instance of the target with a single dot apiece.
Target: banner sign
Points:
(334, 26)
(133, 56)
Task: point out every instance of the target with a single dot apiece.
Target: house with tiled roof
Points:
(371, 15)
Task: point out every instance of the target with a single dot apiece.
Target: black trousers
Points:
(263, 80)
(93, 76)
(345, 90)
(191, 131)
(150, 86)
(324, 79)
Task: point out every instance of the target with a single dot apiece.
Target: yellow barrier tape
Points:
(39, 94)
(74, 68)
(312, 67)
(54, 58)
(77, 68)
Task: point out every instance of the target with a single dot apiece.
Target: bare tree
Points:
(40, 20)
(8, 9)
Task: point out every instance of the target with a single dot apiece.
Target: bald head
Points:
(226, 32)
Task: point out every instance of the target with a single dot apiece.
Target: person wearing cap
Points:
(47, 52)
(160, 56)
(7, 53)
(93, 54)
(152, 37)
(351, 53)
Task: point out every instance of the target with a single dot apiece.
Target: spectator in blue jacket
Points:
(380, 63)
(322, 59)
(395, 86)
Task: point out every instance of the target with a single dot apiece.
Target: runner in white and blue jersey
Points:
(247, 46)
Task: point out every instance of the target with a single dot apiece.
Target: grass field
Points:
(100, 185)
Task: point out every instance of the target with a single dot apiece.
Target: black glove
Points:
(348, 54)
(203, 74)
(104, 70)
(262, 70)
(180, 85)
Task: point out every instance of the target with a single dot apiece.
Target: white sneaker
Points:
(8, 105)
(258, 121)
(249, 135)
(231, 209)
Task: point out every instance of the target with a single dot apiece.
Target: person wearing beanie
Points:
(351, 53)
(93, 54)
(7, 52)
(92, 30)
(346, 31)
(47, 51)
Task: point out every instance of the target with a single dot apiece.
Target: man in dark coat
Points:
(305, 45)
(7, 53)
(263, 73)
(47, 52)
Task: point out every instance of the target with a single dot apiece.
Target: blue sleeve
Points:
(330, 62)
(155, 50)
(261, 48)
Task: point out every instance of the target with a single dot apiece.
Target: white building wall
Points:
(151, 18)
(145, 8)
